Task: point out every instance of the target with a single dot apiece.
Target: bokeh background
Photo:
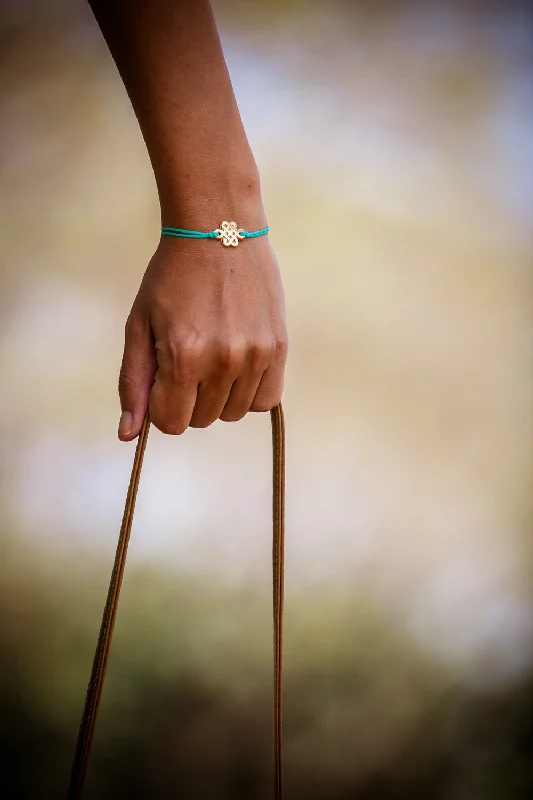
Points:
(396, 151)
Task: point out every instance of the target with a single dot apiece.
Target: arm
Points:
(206, 336)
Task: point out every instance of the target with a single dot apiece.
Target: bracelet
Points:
(228, 233)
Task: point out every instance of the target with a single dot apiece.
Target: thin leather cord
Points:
(101, 656)
(278, 571)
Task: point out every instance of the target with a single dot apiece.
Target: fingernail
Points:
(124, 426)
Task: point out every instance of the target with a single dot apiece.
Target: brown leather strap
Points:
(101, 656)
(278, 572)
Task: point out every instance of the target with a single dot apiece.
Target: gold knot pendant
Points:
(229, 233)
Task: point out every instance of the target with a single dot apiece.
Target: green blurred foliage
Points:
(188, 700)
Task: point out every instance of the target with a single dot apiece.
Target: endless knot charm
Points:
(229, 233)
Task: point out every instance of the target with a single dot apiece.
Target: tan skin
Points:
(206, 337)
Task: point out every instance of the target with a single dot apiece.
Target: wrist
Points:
(201, 202)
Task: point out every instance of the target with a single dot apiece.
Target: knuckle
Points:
(185, 358)
(261, 353)
(230, 356)
(282, 346)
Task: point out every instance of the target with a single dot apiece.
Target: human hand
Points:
(206, 336)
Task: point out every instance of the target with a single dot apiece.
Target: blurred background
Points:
(396, 152)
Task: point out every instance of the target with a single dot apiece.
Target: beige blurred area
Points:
(395, 144)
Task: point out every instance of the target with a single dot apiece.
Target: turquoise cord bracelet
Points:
(228, 233)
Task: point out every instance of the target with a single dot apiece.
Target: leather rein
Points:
(101, 656)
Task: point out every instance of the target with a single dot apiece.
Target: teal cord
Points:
(181, 232)
(252, 234)
(185, 234)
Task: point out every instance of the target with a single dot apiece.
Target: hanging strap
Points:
(278, 572)
(101, 656)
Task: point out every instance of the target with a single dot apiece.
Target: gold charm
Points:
(229, 233)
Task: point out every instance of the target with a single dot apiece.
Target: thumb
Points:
(136, 376)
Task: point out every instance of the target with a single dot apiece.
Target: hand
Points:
(206, 336)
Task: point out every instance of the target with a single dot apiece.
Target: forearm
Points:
(170, 58)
